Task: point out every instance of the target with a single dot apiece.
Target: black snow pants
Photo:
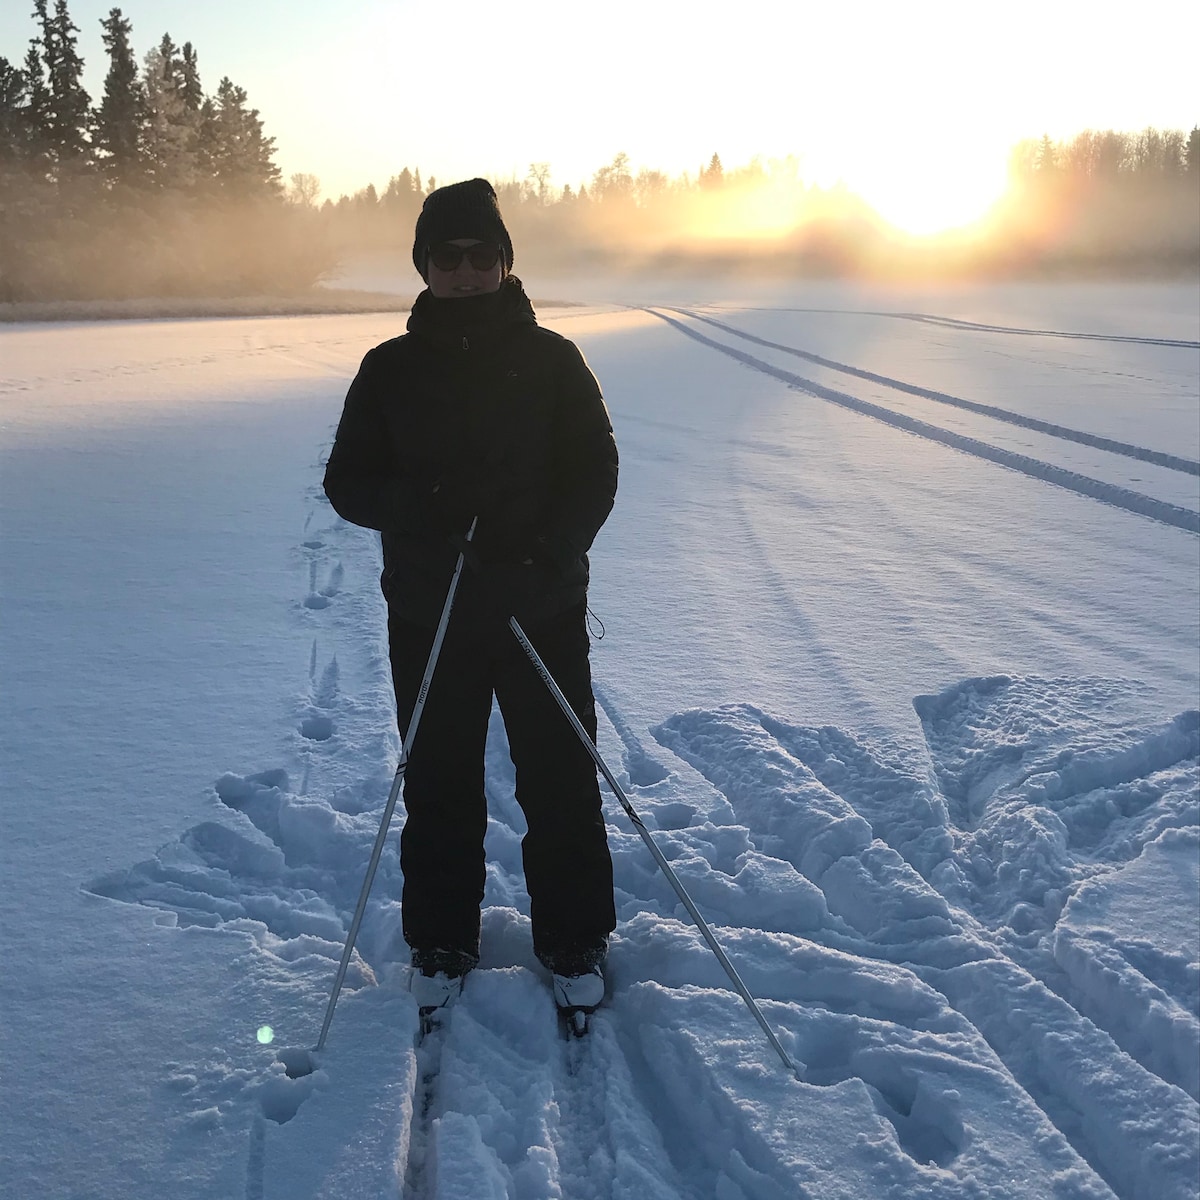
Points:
(568, 868)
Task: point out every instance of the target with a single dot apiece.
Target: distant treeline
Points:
(1120, 202)
(159, 189)
(1129, 201)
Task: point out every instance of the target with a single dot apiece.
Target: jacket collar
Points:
(472, 322)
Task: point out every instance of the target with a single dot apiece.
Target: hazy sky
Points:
(355, 90)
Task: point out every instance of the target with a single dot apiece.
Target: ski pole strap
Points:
(659, 858)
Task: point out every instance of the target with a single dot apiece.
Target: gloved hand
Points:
(506, 586)
(515, 576)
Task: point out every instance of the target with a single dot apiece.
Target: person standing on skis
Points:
(480, 415)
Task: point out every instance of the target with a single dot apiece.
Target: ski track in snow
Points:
(1171, 462)
(1109, 493)
(980, 327)
(923, 935)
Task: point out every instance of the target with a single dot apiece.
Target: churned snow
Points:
(900, 665)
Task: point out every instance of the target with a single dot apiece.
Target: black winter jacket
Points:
(477, 410)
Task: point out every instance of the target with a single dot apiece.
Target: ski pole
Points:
(393, 795)
(672, 878)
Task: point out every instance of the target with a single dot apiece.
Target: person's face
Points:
(464, 279)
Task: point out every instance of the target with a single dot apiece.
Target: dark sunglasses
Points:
(446, 256)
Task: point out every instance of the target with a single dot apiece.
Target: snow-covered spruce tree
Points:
(171, 130)
(190, 91)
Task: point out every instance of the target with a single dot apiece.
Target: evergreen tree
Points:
(121, 113)
(14, 116)
(240, 152)
(172, 63)
(153, 123)
(190, 91)
(171, 133)
(15, 182)
(1047, 156)
(712, 176)
(400, 191)
(29, 201)
(401, 199)
(206, 139)
(37, 110)
(69, 105)
(1191, 153)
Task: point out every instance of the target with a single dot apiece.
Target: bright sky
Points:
(867, 91)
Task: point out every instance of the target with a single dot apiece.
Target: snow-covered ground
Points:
(901, 664)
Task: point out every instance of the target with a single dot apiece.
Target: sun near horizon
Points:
(914, 109)
(915, 112)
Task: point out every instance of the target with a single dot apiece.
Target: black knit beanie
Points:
(461, 210)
